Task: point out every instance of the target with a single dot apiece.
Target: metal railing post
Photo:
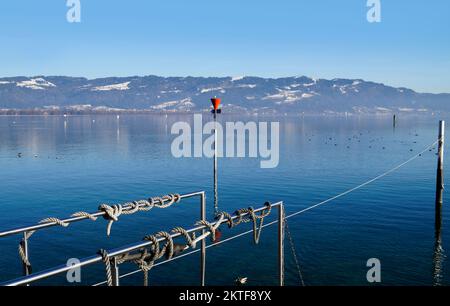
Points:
(281, 243)
(26, 268)
(115, 272)
(203, 248)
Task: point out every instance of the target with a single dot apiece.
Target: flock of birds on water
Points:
(334, 141)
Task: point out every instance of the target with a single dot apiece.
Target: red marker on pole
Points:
(216, 104)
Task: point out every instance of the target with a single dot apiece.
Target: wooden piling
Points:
(440, 175)
(281, 220)
(394, 120)
(438, 256)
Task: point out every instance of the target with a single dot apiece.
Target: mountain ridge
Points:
(300, 94)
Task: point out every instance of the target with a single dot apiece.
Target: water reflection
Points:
(439, 253)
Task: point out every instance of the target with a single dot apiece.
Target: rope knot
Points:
(112, 214)
(212, 228)
(190, 240)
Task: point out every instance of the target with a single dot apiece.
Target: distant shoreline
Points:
(60, 113)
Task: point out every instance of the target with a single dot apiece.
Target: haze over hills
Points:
(239, 94)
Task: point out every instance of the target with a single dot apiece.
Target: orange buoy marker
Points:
(216, 103)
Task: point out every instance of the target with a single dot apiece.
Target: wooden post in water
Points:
(281, 218)
(438, 256)
(440, 175)
(395, 120)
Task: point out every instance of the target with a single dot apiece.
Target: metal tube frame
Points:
(133, 247)
(216, 189)
(73, 219)
(25, 230)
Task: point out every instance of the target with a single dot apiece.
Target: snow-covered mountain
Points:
(239, 94)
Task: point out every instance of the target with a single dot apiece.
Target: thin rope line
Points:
(293, 214)
(364, 184)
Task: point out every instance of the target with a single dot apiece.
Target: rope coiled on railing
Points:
(250, 217)
(107, 262)
(190, 239)
(254, 217)
(112, 214)
(27, 235)
(146, 259)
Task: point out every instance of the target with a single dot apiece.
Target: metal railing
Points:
(75, 219)
(33, 228)
(139, 245)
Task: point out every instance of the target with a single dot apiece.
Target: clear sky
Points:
(317, 38)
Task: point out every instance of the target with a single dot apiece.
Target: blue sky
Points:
(317, 38)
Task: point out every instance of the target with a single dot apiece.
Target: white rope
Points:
(293, 214)
(364, 184)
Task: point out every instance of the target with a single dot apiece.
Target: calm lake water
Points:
(77, 163)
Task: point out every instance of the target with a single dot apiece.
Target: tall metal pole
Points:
(438, 256)
(216, 191)
(216, 110)
(203, 248)
(281, 243)
(440, 175)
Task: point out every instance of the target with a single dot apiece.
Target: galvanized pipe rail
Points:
(30, 229)
(75, 219)
(136, 246)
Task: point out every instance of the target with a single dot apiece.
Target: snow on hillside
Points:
(35, 84)
(170, 91)
(237, 78)
(121, 86)
(205, 90)
(253, 93)
(247, 86)
(184, 104)
(345, 89)
(289, 96)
